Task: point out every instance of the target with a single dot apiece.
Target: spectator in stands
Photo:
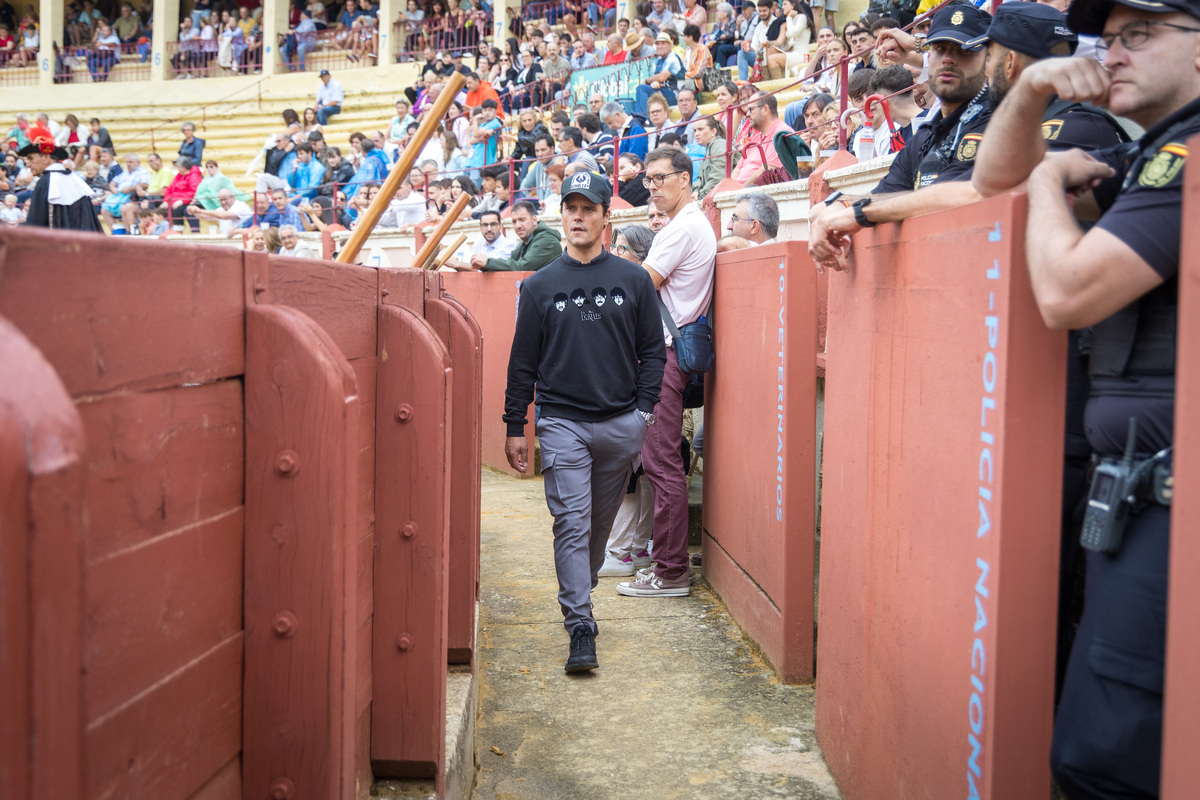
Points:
(755, 217)
(372, 170)
(494, 243)
(191, 146)
(182, 190)
(761, 154)
(660, 16)
(18, 135)
(681, 265)
(555, 175)
(664, 77)
(754, 45)
(710, 134)
(570, 145)
(97, 140)
(722, 42)
(398, 126)
(309, 123)
(788, 38)
(485, 137)
(529, 128)
(862, 42)
(639, 44)
(278, 154)
(527, 87)
(229, 213)
(155, 222)
(581, 58)
(689, 112)
(11, 214)
(406, 210)
(109, 168)
(659, 111)
(340, 172)
(8, 46)
(306, 174)
(556, 72)
(291, 244)
(255, 241)
(534, 183)
(273, 210)
(877, 139)
(805, 115)
(629, 180)
(30, 39)
(126, 26)
(558, 121)
(626, 128)
(104, 57)
(135, 177)
(329, 98)
(696, 57)
(538, 247)
(599, 143)
(479, 90)
(615, 53)
(830, 7)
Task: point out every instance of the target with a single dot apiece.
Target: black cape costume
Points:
(68, 207)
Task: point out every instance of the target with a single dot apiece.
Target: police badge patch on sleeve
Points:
(1051, 129)
(1164, 167)
(968, 147)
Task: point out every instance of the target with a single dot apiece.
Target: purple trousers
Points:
(663, 463)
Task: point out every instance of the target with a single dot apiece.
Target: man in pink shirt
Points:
(764, 116)
(682, 264)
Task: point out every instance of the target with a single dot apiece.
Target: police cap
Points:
(1032, 29)
(961, 23)
(1089, 16)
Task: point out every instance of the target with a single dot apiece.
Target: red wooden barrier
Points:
(301, 566)
(941, 483)
(1181, 728)
(41, 601)
(491, 298)
(460, 333)
(413, 424)
(760, 450)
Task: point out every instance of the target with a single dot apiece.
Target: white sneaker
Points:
(616, 567)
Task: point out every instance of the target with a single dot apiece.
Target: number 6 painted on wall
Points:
(157, 58)
(45, 65)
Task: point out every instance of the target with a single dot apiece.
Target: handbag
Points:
(712, 77)
(693, 343)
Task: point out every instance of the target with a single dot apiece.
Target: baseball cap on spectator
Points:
(324, 72)
(1031, 29)
(591, 185)
(963, 24)
(1088, 16)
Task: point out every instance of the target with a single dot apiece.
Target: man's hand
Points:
(894, 46)
(193, 210)
(829, 237)
(1080, 80)
(478, 261)
(516, 450)
(1074, 169)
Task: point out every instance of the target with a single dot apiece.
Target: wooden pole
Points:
(434, 239)
(407, 159)
(448, 251)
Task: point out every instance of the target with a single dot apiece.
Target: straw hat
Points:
(633, 39)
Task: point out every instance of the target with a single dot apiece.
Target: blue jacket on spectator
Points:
(193, 150)
(371, 171)
(305, 178)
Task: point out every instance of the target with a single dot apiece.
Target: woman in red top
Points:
(181, 192)
(8, 45)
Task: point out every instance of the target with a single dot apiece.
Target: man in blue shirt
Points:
(631, 134)
(371, 170)
(484, 137)
(306, 174)
(668, 70)
(279, 213)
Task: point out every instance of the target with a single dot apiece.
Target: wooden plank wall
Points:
(150, 350)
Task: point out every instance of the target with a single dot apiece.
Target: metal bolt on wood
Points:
(409, 530)
(282, 789)
(287, 463)
(404, 412)
(404, 642)
(285, 625)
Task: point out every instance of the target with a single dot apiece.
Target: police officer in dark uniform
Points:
(1120, 276)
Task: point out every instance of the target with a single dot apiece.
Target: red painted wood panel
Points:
(41, 564)
(462, 338)
(1181, 728)
(340, 298)
(170, 316)
(173, 737)
(941, 491)
(160, 461)
(364, 375)
(301, 534)
(225, 785)
(412, 547)
(491, 298)
(157, 607)
(760, 450)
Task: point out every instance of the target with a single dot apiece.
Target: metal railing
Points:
(191, 59)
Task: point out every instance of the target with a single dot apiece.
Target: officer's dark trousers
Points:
(1108, 732)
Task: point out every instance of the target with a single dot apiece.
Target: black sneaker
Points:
(583, 651)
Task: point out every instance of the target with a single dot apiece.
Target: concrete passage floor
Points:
(682, 706)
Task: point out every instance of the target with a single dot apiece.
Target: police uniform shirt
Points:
(1079, 126)
(1143, 207)
(942, 150)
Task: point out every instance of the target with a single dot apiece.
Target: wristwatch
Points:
(859, 216)
(648, 416)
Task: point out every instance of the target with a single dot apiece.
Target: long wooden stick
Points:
(448, 251)
(434, 239)
(400, 172)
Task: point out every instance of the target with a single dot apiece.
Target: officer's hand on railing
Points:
(829, 237)
(1081, 80)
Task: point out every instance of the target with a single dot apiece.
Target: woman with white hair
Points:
(724, 35)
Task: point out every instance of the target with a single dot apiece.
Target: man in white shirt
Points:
(494, 243)
(231, 214)
(406, 209)
(689, 112)
(681, 263)
(292, 246)
(329, 98)
(748, 53)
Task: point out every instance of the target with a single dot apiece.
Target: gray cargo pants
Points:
(586, 467)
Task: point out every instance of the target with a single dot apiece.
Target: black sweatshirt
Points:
(590, 336)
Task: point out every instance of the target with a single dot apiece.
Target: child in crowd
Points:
(10, 213)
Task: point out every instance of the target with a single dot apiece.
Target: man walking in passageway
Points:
(682, 264)
(589, 340)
